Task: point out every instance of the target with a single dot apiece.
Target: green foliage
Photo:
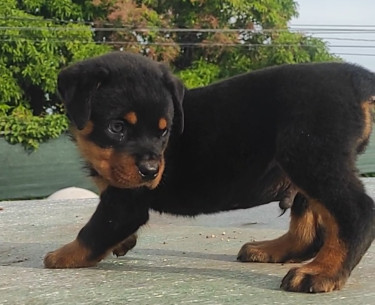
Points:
(203, 41)
(250, 34)
(33, 54)
(10, 91)
(200, 74)
(29, 130)
(60, 9)
(33, 49)
(291, 48)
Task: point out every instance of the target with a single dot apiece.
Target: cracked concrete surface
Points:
(176, 261)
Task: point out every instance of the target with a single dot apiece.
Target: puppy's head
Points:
(123, 107)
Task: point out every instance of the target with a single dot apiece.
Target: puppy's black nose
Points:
(148, 169)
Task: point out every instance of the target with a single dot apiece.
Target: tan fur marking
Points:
(100, 183)
(72, 255)
(156, 181)
(301, 234)
(163, 124)
(331, 256)
(86, 130)
(303, 228)
(114, 168)
(123, 247)
(131, 118)
(368, 117)
(328, 263)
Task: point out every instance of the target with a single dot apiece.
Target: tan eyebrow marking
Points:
(131, 117)
(163, 123)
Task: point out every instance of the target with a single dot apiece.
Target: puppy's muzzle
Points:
(148, 169)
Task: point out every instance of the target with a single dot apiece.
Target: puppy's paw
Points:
(254, 252)
(72, 255)
(269, 251)
(122, 248)
(304, 279)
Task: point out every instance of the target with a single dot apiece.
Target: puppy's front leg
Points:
(119, 214)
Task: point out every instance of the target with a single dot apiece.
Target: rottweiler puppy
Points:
(289, 133)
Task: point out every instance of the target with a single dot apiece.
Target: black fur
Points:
(246, 141)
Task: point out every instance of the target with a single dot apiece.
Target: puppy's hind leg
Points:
(337, 222)
(347, 234)
(300, 243)
(343, 213)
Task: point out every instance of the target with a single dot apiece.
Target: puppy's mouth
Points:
(131, 175)
(121, 178)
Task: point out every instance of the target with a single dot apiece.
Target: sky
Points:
(349, 13)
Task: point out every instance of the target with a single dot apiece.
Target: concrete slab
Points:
(176, 261)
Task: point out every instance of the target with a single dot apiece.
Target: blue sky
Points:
(343, 12)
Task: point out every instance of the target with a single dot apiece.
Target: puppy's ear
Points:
(177, 90)
(76, 86)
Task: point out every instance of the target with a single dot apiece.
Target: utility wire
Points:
(313, 30)
(136, 30)
(200, 44)
(356, 54)
(292, 25)
(186, 30)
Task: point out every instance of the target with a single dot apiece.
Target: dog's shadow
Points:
(184, 254)
(30, 256)
(242, 272)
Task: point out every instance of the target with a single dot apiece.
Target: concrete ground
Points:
(176, 261)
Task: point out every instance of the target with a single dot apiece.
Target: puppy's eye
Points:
(116, 126)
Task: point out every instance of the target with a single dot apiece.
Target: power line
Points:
(183, 44)
(196, 44)
(126, 28)
(307, 29)
(56, 29)
(356, 54)
(292, 25)
(352, 46)
(332, 25)
(348, 39)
